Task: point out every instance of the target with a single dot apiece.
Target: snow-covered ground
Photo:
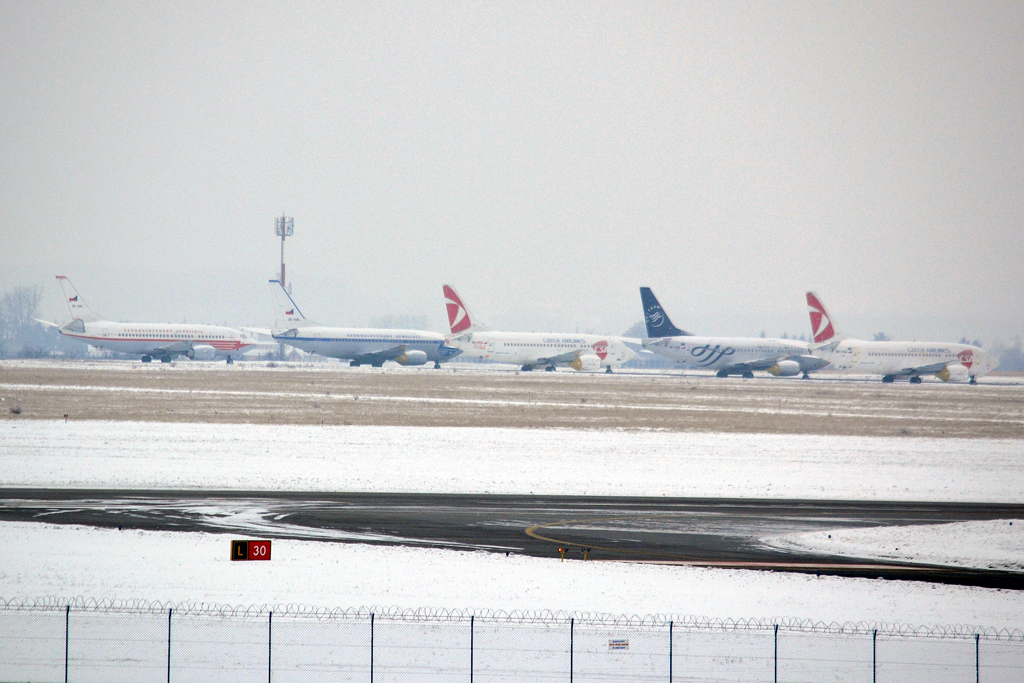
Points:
(45, 560)
(52, 453)
(991, 544)
(67, 561)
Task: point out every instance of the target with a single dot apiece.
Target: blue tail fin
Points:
(658, 324)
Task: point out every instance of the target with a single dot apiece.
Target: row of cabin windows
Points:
(179, 335)
(906, 355)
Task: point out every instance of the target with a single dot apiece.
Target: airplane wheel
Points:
(527, 368)
(974, 381)
(437, 366)
(748, 375)
(147, 359)
(231, 361)
(806, 376)
(353, 364)
(608, 370)
(915, 380)
(888, 379)
(550, 368)
(378, 365)
(721, 373)
(165, 359)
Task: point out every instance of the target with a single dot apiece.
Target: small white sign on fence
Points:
(618, 644)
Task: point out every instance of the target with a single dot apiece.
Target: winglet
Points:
(823, 329)
(79, 311)
(658, 324)
(459, 318)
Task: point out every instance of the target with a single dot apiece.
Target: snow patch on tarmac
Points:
(992, 544)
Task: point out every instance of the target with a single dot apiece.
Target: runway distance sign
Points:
(250, 550)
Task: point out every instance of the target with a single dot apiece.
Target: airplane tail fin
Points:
(459, 318)
(658, 324)
(823, 330)
(79, 311)
(288, 316)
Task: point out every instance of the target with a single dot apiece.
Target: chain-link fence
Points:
(112, 641)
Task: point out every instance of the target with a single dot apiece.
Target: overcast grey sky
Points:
(546, 159)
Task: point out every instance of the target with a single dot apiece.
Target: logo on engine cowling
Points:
(966, 358)
(601, 349)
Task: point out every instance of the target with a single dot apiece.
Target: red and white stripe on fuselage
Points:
(143, 338)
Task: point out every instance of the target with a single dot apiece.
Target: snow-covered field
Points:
(41, 560)
(49, 453)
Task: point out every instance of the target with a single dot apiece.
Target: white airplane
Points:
(361, 346)
(531, 349)
(893, 360)
(163, 341)
(726, 355)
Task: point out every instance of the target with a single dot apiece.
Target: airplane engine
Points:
(414, 357)
(202, 352)
(586, 363)
(785, 368)
(953, 373)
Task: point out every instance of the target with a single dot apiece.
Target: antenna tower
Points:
(284, 227)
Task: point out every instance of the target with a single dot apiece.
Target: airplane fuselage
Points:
(534, 348)
(157, 339)
(350, 343)
(900, 359)
(718, 353)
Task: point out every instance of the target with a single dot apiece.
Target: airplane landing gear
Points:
(721, 373)
(915, 379)
(147, 359)
(354, 364)
(437, 366)
(974, 380)
(165, 359)
(608, 370)
(231, 361)
(888, 379)
(748, 375)
(550, 368)
(527, 368)
(378, 365)
(806, 376)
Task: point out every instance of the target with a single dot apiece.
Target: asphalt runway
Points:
(682, 531)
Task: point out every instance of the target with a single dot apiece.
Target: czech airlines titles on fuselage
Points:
(892, 359)
(531, 350)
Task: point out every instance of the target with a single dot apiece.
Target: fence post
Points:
(572, 629)
(169, 610)
(67, 640)
(471, 618)
(977, 658)
(371, 647)
(270, 643)
(669, 652)
(775, 657)
(874, 655)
